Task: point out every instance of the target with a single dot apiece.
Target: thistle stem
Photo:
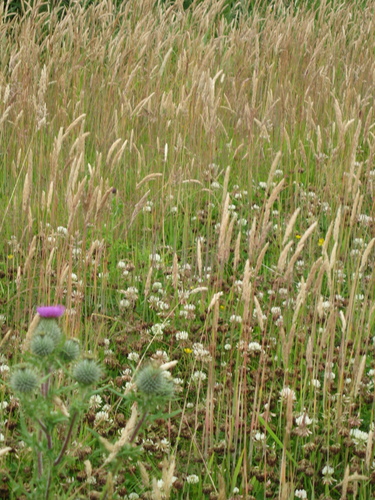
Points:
(138, 426)
(67, 439)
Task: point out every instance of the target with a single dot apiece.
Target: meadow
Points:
(194, 187)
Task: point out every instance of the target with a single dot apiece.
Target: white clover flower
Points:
(287, 393)
(182, 335)
(235, 319)
(327, 469)
(316, 383)
(161, 355)
(303, 419)
(148, 206)
(4, 368)
(95, 401)
(254, 347)
(227, 347)
(260, 437)
(162, 306)
(199, 376)
(62, 230)
(192, 479)
(102, 416)
(276, 311)
(242, 222)
(359, 437)
(300, 494)
(157, 286)
(158, 329)
(133, 356)
(155, 258)
(124, 304)
(132, 496)
(200, 353)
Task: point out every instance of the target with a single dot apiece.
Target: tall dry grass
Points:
(150, 129)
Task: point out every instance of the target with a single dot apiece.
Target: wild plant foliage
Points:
(195, 188)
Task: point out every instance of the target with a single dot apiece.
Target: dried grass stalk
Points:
(290, 226)
(273, 168)
(148, 178)
(283, 256)
(148, 282)
(365, 255)
(138, 207)
(236, 257)
(199, 257)
(223, 231)
(259, 313)
(126, 434)
(273, 196)
(34, 323)
(175, 274)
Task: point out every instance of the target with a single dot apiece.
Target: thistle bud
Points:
(87, 372)
(50, 328)
(24, 380)
(42, 345)
(153, 381)
(69, 351)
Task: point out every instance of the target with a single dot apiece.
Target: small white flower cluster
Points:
(95, 402)
(192, 479)
(133, 356)
(300, 494)
(198, 376)
(235, 319)
(131, 297)
(287, 393)
(359, 437)
(148, 206)
(200, 353)
(188, 311)
(157, 304)
(254, 347)
(158, 329)
(182, 335)
(259, 437)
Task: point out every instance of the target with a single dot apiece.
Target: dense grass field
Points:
(193, 186)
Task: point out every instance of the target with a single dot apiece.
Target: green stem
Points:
(138, 426)
(67, 439)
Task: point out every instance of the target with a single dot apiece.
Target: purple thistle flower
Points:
(50, 311)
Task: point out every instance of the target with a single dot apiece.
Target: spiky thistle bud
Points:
(50, 328)
(69, 351)
(24, 380)
(153, 381)
(87, 372)
(42, 345)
